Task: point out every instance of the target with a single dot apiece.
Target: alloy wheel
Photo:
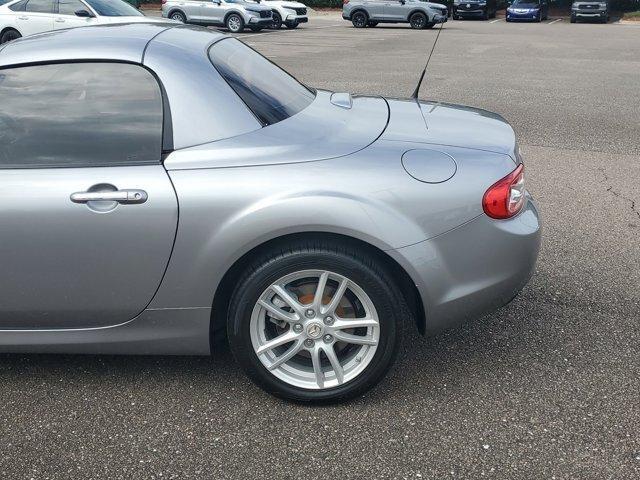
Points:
(276, 23)
(314, 329)
(234, 23)
(418, 21)
(359, 20)
(179, 17)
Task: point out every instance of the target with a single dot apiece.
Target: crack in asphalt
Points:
(618, 194)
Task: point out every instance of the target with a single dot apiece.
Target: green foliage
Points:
(615, 5)
(625, 5)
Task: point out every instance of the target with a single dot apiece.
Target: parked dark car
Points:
(532, 10)
(484, 9)
(593, 11)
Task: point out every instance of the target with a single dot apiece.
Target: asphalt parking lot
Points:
(547, 387)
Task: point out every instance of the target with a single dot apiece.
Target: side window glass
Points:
(18, 7)
(70, 7)
(79, 115)
(40, 6)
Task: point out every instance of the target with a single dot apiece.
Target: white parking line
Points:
(554, 21)
(497, 20)
(275, 32)
(296, 44)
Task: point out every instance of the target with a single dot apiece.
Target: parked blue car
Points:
(532, 10)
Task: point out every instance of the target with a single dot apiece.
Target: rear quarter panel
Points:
(225, 212)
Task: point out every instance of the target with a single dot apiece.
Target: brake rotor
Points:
(307, 298)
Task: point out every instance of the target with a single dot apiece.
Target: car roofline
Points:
(62, 45)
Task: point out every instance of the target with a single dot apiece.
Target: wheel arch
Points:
(230, 12)
(361, 10)
(418, 10)
(6, 29)
(176, 9)
(224, 290)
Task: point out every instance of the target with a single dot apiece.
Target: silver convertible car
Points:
(165, 187)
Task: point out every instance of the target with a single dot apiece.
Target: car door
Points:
(396, 10)
(212, 11)
(66, 17)
(37, 17)
(192, 9)
(375, 9)
(88, 212)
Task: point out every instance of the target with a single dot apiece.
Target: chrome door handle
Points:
(120, 196)
(23, 18)
(60, 20)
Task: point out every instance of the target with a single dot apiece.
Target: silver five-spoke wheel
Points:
(315, 320)
(315, 329)
(235, 23)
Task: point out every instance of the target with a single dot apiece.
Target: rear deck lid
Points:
(321, 131)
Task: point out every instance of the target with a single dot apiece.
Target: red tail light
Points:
(164, 1)
(344, 2)
(505, 198)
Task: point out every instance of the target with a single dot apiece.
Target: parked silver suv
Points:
(419, 14)
(233, 14)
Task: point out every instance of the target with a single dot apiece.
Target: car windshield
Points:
(270, 93)
(526, 2)
(113, 8)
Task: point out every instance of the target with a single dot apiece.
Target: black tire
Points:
(538, 19)
(485, 14)
(359, 19)
(234, 23)
(372, 24)
(418, 21)
(276, 23)
(10, 35)
(455, 17)
(178, 16)
(344, 259)
(292, 25)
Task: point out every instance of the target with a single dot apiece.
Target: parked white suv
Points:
(233, 14)
(290, 14)
(417, 13)
(19, 18)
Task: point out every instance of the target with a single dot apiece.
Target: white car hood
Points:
(288, 4)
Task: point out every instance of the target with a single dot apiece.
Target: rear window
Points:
(270, 93)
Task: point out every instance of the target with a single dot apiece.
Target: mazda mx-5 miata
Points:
(163, 186)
